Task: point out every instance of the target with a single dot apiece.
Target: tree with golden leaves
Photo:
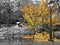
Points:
(39, 15)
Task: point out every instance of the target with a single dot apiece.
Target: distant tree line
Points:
(7, 15)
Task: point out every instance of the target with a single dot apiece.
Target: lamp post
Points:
(50, 5)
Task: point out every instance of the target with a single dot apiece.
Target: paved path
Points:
(27, 43)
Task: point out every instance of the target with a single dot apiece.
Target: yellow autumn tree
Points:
(38, 15)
